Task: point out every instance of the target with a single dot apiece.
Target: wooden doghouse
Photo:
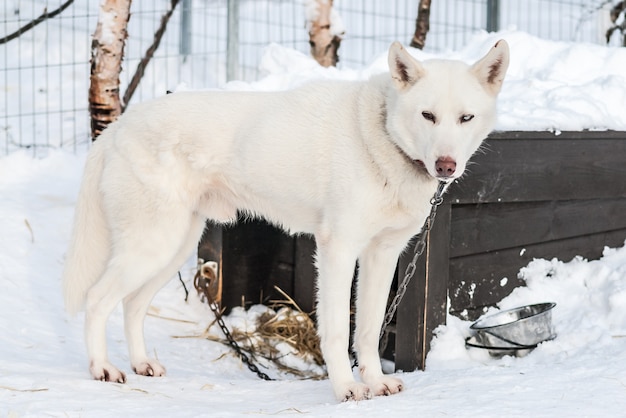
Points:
(528, 195)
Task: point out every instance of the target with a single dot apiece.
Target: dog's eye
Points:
(429, 116)
(466, 118)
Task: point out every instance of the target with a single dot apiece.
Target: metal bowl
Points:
(515, 331)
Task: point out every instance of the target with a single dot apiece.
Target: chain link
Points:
(420, 246)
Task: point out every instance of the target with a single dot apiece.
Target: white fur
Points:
(333, 159)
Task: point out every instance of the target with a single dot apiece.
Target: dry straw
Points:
(284, 325)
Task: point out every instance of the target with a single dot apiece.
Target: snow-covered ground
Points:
(43, 370)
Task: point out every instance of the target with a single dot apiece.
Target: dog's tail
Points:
(89, 245)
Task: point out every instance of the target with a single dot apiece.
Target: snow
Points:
(43, 367)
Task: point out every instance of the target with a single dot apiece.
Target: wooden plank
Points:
(436, 306)
(495, 226)
(255, 257)
(259, 256)
(410, 318)
(210, 246)
(476, 281)
(424, 305)
(593, 135)
(530, 169)
(305, 273)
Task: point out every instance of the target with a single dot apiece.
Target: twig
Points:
(35, 22)
(30, 229)
(184, 321)
(588, 12)
(288, 410)
(141, 67)
(288, 299)
(184, 287)
(23, 390)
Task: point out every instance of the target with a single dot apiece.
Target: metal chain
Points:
(235, 346)
(420, 246)
(202, 286)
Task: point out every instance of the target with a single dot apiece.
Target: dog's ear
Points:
(404, 69)
(491, 69)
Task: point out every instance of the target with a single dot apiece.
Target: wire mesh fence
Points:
(45, 71)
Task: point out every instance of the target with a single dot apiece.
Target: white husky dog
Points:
(353, 163)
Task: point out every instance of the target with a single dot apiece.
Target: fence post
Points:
(424, 306)
(185, 29)
(493, 15)
(232, 40)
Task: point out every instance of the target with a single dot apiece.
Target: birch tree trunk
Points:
(107, 53)
(422, 24)
(617, 14)
(324, 37)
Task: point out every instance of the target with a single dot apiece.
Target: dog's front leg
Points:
(335, 263)
(376, 269)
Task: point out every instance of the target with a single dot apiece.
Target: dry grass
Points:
(280, 334)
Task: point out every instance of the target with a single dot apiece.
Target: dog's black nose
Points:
(445, 167)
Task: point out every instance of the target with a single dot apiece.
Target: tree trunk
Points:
(323, 37)
(107, 53)
(422, 24)
(618, 10)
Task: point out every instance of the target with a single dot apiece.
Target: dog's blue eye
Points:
(466, 118)
(429, 116)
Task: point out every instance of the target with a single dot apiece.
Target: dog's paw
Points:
(354, 392)
(149, 367)
(106, 372)
(386, 385)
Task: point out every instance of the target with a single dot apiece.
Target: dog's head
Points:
(439, 111)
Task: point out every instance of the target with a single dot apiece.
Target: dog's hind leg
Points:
(376, 269)
(136, 305)
(140, 252)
